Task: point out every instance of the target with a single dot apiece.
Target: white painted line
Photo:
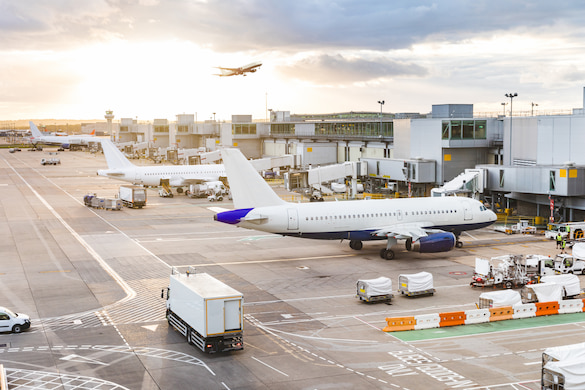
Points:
(280, 372)
(532, 363)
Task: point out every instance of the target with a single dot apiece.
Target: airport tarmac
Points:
(91, 281)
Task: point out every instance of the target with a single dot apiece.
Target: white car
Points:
(13, 322)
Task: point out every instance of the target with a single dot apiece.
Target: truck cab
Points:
(13, 322)
(567, 264)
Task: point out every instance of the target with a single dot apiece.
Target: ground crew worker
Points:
(568, 229)
(563, 245)
(559, 239)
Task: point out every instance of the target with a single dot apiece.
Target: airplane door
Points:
(467, 213)
(293, 219)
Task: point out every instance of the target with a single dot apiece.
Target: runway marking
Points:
(129, 292)
(58, 271)
(280, 372)
(244, 262)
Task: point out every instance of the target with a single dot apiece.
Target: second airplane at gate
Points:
(433, 223)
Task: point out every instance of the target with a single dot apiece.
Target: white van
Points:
(13, 322)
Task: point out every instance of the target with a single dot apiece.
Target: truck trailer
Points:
(132, 196)
(208, 312)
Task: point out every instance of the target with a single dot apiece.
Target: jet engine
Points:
(438, 242)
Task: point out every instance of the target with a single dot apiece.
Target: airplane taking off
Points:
(434, 223)
(64, 141)
(225, 72)
(120, 168)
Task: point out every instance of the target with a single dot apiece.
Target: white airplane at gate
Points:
(120, 168)
(433, 223)
(64, 141)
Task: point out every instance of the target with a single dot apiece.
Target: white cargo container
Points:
(416, 284)
(206, 311)
(133, 196)
(374, 290)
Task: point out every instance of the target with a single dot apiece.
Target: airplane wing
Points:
(414, 230)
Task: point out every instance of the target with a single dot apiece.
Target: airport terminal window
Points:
(480, 130)
(467, 129)
(455, 129)
(446, 129)
(244, 128)
(501, 178)
(282, 128)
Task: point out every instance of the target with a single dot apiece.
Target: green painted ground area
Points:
(490, 327)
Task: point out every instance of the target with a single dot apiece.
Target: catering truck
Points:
(133, 196)
(205, 310)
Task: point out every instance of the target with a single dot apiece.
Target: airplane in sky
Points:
(179, 176)
(225, 72)
(434, 224)
(64, 141)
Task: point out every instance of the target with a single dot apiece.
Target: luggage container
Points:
(500, 298)
(375, 290)
(417, 284)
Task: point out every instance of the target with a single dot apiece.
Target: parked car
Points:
(13, 322)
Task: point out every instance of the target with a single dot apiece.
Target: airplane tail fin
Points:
(34, 130)
(248, 188)
(92, 132)
(114, 157)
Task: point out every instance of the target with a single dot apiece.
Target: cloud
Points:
(339, 70)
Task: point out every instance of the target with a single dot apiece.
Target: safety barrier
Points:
(501, 313)
(477, 316)
(570, 306)
(452, 319)
(399, 323)
(525, 310)
(427, 321)
(546, 308)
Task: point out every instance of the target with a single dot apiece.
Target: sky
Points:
(155, 59)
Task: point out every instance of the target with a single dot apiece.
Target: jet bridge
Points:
(314, 177)
(472, 181)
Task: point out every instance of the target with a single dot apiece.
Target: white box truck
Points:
(132, 196)
(206, 311)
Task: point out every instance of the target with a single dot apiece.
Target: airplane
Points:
(120, 168)
(225, 72)
(65, 141)
(433, 223)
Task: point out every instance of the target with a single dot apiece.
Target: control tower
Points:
(109, 116)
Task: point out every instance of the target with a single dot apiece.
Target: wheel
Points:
(17, 329)
(219, 199)
(211, 200)
(387, 254)
(171, 195)
(179, 190)
(508, 285)
(408, 244)
(459, 244)
(356, 245)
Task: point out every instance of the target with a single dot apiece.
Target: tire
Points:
(508, 285)
(16, 329)
(356, 245)
(459, 244)
(387, 254)
(408, 244)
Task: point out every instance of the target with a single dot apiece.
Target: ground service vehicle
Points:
(568, 264)
(576, 231)
(206, 311)
(416, 284)
(375, 290)
(563, 367)
(508, 271)
(13, 322)
(50, 161)
(91, 200)
(132, 196)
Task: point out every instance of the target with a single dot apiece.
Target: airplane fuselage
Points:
(360, 220)
(178, 176)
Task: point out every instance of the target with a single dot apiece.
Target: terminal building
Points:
(530, 162)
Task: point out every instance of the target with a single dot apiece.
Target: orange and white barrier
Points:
(525, 310)
(478, 316)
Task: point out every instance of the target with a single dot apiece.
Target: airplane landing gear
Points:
(458, 243)
(387, 254)
(408, 244)
(356, 245)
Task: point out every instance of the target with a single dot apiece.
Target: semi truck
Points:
(206, 311)
(132, 196)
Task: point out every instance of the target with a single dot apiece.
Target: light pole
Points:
(504, 108)
(511, 96)
(533, 104)
(381, 102)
